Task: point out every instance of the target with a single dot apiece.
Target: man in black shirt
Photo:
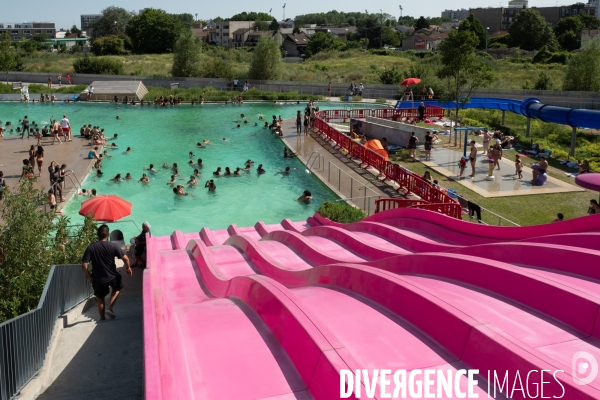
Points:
(104, 270)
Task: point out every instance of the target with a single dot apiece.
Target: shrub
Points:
(109, 46)
(98, 65)
(31, 242)
(341, 212)
(381, 100)
(390, 76)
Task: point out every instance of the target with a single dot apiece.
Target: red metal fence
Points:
(451, 209)
(407, 180)
(385, 113)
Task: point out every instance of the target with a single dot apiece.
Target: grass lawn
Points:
(332, 66)
(523, 210)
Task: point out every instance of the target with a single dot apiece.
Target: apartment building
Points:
(461, 14)
(223, 32)
(26, 30)
(86, 22)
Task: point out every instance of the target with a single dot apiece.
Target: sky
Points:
(65, 13)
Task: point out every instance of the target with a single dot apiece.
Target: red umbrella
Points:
(410, 81)
(106, 208)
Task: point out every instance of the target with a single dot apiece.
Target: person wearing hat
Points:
(140, 246)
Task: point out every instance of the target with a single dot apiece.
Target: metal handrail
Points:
(73, 172)
(500, 218)
(317, 156)
(24, 340)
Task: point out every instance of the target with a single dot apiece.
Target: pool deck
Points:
(14, 150)
(505, 183)
(307, 146)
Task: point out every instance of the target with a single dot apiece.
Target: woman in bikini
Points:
(32, 154)
(497, 155)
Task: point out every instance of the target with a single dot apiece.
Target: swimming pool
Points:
(160, 135)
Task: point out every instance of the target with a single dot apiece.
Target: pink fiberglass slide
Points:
(279, 311)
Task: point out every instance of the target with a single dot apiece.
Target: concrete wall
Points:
(396, 133)
(587, 100)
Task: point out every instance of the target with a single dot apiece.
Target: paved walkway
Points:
(505, 183)
(13, 150)
(336, 170)
(101, 360)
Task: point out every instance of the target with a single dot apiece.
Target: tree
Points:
(187, 56)
(421, 23)
(187, 20)
(589, 21)
(474, 25)
(266, 61)
(531, 31)
(75, 30)
(321, 41)
(274, 25)
(583, 70)
(8, 55)
(390, 76)
(154, 32)
(260, 26)
(108, 45)
(390, 37)
(251, 16)
(568, 33)
(461, 68)
(113, 22)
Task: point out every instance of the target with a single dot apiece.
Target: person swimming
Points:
(287, 171)
(144, 179)
(197, 173)
(192, 181)
(227, 171)
(172, 181)
(249, 162)
(199, 163)
(128, 177)
(191, 162)
(179, 191)
(217, 172)
(306, 197)
(198, 145)
(206, 141)
(237, 126)
(287, 154)
(99, 173)
(105, 153)
(210, 185)
(129, 149)
(151, 169)
(114, 146)
(192, 155)
(165, 166)
(237, 171)
(117, 178)
(260, 169)
(175, 169)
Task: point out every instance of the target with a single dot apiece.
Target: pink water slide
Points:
(280, 311)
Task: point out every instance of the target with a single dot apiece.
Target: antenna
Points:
(400, 21)
(284, 4)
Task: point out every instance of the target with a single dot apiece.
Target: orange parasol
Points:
(107, 208)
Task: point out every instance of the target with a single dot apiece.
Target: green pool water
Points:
(160, 135)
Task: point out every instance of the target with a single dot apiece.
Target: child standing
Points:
(462, 165)
(518, 166)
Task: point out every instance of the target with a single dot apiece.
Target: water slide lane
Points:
(514, 321)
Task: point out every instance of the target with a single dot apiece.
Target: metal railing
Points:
(311, 160)
(352, 189)
(24, 340)
(484, 212)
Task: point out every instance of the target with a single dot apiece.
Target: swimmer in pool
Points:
(192, 181)
(197, 173)
(98, 173)
(260, 169)
(128, 177)
(238, 128)
(115, 137)
(105, 153)
(114, 146)
(175, 169)
(286, 172)
(191, 162)
(129, 149)
(217, 172)
(306, 197)
(287, 154)
(172, 181)
(192, 155)
(227, 171)
(144, 179)
(198, 145)
(206, 141)
(151, 169)
(237, 172)
(117, 178)
(166, 166)
(200, 163)
(210, 185)
(249, 162)
(179, 191)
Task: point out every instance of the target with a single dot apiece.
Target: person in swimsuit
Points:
(217, 172)
(210, 185)
(539, 168)
(486, 141)
(117, 178)
(412, 145)
(25, 126)
(227, 171)
(473, 158)
(306, 124)
(428, 145)
(32, 155)
(260, 169)
(128, 177)
(55, 131)
(306, 197)
(144, 179)
(497, 155)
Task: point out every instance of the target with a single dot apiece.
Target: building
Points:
(222, 33)
(424, 42)
(500, 18)
(294, 45)
(240, 37)
(86, 23)
(459, 15)
(588, 36)
(338, 33)
(26, 30)
(518, 4)
(289, 23)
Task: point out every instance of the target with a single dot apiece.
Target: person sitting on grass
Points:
(559, 218)
(594, 207)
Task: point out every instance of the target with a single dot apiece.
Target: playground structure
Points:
(530, 108)
(276, 311)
